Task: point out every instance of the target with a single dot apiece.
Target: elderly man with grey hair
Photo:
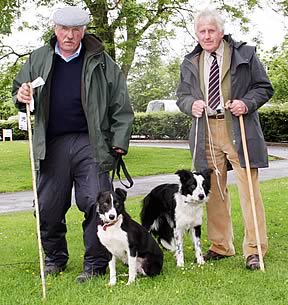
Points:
(222, 79)
(83, 120)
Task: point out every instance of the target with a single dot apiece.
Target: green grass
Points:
(16, 171)
(220, 283)
(15, 166)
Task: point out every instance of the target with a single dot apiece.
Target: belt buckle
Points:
(219, 116)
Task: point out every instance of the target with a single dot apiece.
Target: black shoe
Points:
(87, 276)
(213, 256)
(53, 269)
(252, 262)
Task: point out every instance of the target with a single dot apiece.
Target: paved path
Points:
(20, 201)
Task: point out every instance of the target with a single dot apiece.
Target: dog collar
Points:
(108, 224)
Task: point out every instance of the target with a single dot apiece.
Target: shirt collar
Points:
(219, 52)
(69, 58)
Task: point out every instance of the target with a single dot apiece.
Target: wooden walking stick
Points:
(247, 163)
(35, 197)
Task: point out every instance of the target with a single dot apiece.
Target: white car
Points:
(162, 105)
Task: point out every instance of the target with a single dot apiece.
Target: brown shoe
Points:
(213, 256)
(252, 262)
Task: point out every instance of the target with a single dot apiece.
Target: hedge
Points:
(166, 125)
(274, 124)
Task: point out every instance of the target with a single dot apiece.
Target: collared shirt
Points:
(208, 59)
(69, 58)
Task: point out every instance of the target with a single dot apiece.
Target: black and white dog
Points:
(126, 239)
(171, 209)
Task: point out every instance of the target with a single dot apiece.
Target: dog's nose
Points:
(201, 196)
(111, 216)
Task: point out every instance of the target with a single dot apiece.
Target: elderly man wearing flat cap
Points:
(83, 119)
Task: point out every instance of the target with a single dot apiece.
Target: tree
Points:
(9, 11)
(125, 25)
(6, 78)
(276, 61)
(153, 78)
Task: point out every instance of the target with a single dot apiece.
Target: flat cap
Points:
(71, 16)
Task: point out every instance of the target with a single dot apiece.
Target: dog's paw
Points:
(200, 260)
(130, 281)
(180, 264)
(112, 282)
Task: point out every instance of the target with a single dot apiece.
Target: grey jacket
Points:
(245, 79)
(105, 100)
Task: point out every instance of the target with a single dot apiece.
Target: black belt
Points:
(218, 116)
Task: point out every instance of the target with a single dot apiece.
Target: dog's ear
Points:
(121, 193)
(184, 175)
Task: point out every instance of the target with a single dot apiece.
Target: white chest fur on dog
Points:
(187, 214)
(115, 240)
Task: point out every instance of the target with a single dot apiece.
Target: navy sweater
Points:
(66, 113)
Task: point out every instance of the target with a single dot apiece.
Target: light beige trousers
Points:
(219, 222)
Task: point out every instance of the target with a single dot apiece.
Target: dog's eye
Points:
(105, 204)
(116, 204)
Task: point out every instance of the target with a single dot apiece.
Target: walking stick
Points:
(247, 163)
(35, 197)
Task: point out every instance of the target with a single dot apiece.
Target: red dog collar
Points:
(109, 224)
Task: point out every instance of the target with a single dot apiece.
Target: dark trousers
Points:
(69, 163)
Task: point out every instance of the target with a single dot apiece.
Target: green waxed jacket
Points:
(104, 97)
(243, 78)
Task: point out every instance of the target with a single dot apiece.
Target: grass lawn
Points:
(219, 283)
(141, 161)
(15, 163)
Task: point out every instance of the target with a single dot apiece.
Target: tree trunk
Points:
(99, 12)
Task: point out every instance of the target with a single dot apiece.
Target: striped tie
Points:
(213, 91)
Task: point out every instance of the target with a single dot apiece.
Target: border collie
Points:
(171, 209)
(126, 239)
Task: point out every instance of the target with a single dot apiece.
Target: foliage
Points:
(274, 122)
(131, 31)
(162, 125)
(9, 11)
(277, 60)
(7, 109)
(6, 79)
(176, 125)
(152, 78)
(14, 125)
(125, 25)
(165, 125)
(279, 6)
(224, 282)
